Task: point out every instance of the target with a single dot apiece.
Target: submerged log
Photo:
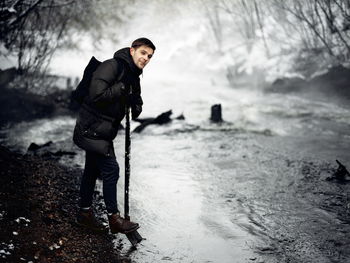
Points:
(160, 120)
(34, 147)
(216, 115)
(180, 117)
(46, 150)
(341, 172)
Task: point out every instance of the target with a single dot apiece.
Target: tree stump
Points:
(216, 113)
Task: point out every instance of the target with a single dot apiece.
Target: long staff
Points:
(134, 236)
(127, 163)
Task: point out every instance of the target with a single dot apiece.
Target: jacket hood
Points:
(124, 54)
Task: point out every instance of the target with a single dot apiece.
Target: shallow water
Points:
(252, 189)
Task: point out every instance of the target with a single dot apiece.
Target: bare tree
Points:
(212, 13)
(246, 15)
(259, 20)
(34, 29)
(323, 22)
(335, 27)
(243, 15)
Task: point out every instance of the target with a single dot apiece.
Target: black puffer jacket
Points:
(103, 110)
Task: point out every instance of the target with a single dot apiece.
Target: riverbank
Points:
(331, 85)
(37, 214)
(44, 97)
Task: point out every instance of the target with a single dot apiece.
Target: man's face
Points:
(141, 55)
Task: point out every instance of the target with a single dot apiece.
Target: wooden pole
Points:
(134, 237)
(127, 162)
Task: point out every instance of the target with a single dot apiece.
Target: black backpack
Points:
(82, 90)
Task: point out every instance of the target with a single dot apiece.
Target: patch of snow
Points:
(319, 73)
(54, 246)
(293, 75)
(22, 219)
(12, 10)
(2, 213)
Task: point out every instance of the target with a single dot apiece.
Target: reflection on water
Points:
(168, 199)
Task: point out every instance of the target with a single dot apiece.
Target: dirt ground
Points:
(37, 214)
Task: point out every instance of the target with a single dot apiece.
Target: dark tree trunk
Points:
(216, 113)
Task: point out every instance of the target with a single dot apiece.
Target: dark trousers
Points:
(108, 169)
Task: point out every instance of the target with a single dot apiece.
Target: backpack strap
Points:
(78, 95)
(121, 66)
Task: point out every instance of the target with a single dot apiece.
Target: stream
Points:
(252, 189)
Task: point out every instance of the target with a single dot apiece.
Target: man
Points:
(114, 84)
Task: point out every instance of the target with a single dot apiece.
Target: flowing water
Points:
(252, 189)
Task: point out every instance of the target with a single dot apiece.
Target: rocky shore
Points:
(37, 214)
(332, 84)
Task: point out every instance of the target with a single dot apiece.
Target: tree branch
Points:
(25, 13)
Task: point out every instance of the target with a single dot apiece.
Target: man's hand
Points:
(136, 111)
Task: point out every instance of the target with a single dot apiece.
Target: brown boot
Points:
(87, 219)
(121, 225)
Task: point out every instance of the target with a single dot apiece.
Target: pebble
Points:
(15, 233)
